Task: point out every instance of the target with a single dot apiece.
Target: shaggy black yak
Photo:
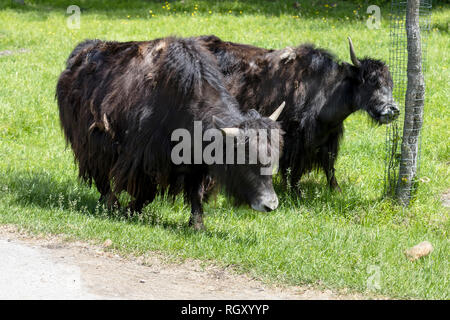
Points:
(120, 104)
(320, 93)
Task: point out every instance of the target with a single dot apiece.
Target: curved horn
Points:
(274, 116)
(355, 60)
(231, 132)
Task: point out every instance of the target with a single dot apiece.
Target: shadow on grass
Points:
(42, 190)
(39, 188)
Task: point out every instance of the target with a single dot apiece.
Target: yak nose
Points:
(270, 203)
(266, 203)
(394, 109)
(391, 110)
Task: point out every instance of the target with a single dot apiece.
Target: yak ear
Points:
(253, 113)
(218, 123)
(353, 72)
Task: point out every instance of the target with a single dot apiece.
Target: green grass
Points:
(324, 238)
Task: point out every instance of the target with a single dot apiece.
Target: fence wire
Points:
(398, 62)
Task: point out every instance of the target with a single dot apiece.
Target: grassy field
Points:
(325, 239)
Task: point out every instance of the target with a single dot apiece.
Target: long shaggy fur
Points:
(119, 104)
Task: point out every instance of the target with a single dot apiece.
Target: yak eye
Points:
(373, 82)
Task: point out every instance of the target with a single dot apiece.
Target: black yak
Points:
(120, 103)
(319, 91)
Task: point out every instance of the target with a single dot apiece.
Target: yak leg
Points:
(327, 160)
(196, 193)
(112, 201)
(106, 194)
(196, 219)
(136, 205)
(332, 182)
(295, 178)
(99, 163)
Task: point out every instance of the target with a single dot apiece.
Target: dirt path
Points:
(51, 268)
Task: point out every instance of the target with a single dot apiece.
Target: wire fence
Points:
(398, 61)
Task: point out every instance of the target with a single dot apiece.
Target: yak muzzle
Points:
(390, 113)
(266, 203)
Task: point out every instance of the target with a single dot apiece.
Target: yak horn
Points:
(355, 60)
(274, 116)
(230, 132)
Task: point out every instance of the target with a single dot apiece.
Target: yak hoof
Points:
(196, 222)
(134, 208)
(336, 188)
(111, 202)
(102, 199)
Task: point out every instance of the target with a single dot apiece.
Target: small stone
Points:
(421, 250)
(107, 243)
(445, 198)
(142, 281)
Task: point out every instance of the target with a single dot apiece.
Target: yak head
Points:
(256, 143)
(374, 88)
